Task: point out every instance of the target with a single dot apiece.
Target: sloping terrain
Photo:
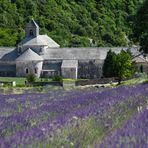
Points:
(70, 22)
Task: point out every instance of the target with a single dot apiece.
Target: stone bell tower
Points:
(32, 29)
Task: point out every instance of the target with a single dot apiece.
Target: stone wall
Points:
(7, 74)
(7, 62)
(90, 69)
(23, 68)
(143, 65)
(69, 73)
(7, 69)
(51, 68)
(96, 81)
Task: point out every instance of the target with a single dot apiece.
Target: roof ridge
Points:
(29, 55)
(34, 22)
(42, 40)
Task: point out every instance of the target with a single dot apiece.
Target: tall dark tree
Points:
(141, 26)
(109, 69)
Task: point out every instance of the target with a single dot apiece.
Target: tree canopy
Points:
(109, 67)
(124, 65)
(141, 26)
(118, 65)
(70, 22)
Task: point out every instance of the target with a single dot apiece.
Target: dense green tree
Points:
(109, 69)
(141, 26)
(108, 22)
(124, 65)
(118, 65)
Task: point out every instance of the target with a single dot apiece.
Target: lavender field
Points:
(92, 117)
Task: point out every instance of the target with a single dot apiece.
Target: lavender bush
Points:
(133, 134)
(66, 118)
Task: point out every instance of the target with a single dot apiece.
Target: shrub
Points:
(57, 78)
(31, 78)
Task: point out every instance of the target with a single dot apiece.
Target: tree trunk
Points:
(119, 81)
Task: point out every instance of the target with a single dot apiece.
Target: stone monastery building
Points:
(40, 55)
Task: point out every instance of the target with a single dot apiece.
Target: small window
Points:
(141, 68)
(144, 55)
(20, 50)
(35, 71)
(27, 71)
(31, 32)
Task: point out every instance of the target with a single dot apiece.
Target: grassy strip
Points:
(142, 78)
(21, 80)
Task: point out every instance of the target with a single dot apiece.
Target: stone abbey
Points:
(41, 55)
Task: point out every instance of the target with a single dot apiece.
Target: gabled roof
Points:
(32, 23)
(71, 53)
(40, 40)
(140, 59)
(91, 53)
(29, 55)
(69, 64)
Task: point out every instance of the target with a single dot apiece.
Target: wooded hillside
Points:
(70, 22)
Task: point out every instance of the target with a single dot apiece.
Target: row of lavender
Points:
(31, 118)
(133, 134)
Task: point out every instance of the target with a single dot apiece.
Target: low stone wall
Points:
(95, 81)
(67, 83)
(55, 83)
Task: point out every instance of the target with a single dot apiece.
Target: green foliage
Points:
(118, 65)
(109, 67)
(57, 78)
(31, 78)
(141, 26)
(70, 22)
(124, 67)
(7, 37)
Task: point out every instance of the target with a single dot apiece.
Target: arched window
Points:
(31, 32)
(27, 70)
(35, 70)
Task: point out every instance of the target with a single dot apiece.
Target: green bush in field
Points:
(57, 78)
(31, 78)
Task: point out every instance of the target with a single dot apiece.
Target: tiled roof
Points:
(140, 59)
(82, 53)
(40, 40)
(29, 55)
(8, 53)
